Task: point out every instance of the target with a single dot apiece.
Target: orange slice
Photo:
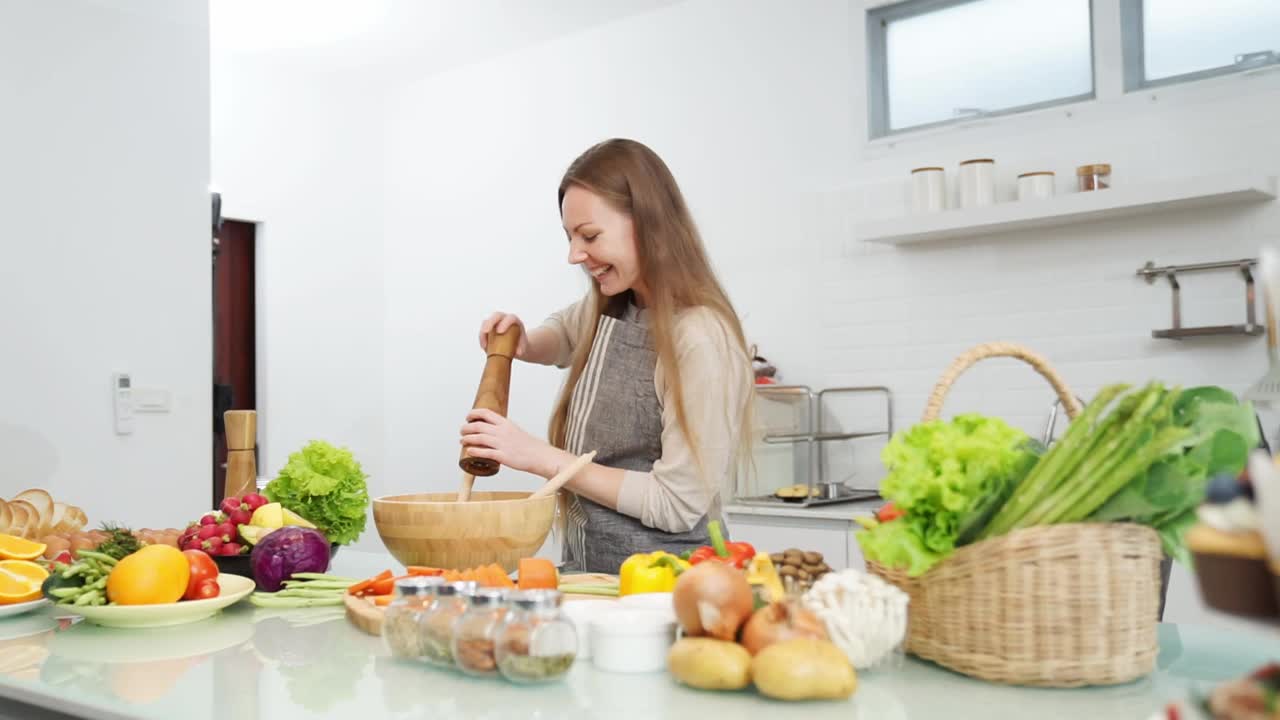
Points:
(13, 547)
(20, 581)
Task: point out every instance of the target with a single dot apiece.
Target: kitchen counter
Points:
(250, 663)
(838, 511)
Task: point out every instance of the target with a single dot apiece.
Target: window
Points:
(937, 61)
(1171, 41)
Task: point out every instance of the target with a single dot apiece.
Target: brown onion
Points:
(775, 622)
(712, 598)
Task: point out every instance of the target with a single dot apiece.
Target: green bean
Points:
(67, 592)
(270, 600)
(322, 576)
(87, 598)
(100, 557)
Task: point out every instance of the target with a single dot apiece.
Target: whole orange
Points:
(155, 574)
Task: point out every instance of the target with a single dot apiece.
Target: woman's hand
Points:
(492, 436)
(501, 322)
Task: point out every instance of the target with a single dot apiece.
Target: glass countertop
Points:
(249, 663)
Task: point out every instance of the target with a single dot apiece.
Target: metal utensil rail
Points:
(1150, 272)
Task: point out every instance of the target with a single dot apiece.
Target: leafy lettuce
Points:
(948, 478)
(325, 485)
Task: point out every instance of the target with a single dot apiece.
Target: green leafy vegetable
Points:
(325, 485)
(947, 478)
(1222, 433)
(1148, 460)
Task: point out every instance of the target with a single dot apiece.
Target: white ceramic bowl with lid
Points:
(627, 640)
(581, 613)
(655, 602)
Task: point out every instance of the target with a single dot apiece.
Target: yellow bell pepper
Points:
(762, 572)
(649, 573)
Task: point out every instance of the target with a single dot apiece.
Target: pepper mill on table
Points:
(242, 440)
(495, 383)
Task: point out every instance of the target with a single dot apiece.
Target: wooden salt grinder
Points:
(492, 393)
(242, 439)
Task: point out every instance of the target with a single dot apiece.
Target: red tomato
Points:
(207, 589)
(888, 513)
(203, 569)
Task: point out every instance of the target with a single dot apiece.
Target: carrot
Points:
(423, 571)
(382, 600)
(504, 580)
(384, 586)
(363, 586)
(538, 573)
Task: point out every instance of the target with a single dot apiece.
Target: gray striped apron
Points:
(615, 410)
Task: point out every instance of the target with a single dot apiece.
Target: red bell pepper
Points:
(737, 554)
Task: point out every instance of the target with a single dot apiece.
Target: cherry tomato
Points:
(203, 569)
(207, 589)
(888, 513)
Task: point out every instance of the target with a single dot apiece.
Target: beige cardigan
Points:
(716, 375)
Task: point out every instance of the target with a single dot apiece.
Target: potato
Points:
(803, 669)
(709, 664)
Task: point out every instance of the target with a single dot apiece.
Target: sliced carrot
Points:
(503, 577)
(423, 571)
(382, 600)
(537, 573)
(383, 587)
(363, 586)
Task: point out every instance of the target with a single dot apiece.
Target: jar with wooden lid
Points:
(977, 183)
(1035, 185)
(438, 619)
(475, 631)
(928, 190)
(537, 642)
(402, 620)
(1093, 177)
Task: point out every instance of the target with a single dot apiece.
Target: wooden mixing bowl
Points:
(433, 529)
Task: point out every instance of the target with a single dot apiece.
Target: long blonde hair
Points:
(673, 267)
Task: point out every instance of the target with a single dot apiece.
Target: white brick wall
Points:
(899, 315)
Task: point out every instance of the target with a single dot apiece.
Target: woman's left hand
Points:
(494, 437)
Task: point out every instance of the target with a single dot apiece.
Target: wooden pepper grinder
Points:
(242, 440)
(495, 383)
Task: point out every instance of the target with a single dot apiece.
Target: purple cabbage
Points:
(286, 551)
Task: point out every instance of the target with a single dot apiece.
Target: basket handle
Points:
(998, 349)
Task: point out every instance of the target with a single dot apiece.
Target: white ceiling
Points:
(415, 36)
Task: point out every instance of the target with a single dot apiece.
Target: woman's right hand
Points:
(501, 322)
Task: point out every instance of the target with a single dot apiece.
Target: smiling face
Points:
(602, 240)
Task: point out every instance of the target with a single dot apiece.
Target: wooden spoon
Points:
(564, 476)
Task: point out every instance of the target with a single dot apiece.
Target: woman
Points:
(660, 377)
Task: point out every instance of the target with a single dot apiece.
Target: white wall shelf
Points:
(1076, 207)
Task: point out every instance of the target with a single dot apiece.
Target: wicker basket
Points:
(1056, 606)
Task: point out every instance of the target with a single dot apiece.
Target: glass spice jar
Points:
(475, 630)
(1093, 177)
(402, 620)
(537, 642)
(437, 621)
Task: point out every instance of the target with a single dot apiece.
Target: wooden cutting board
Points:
(367, 617)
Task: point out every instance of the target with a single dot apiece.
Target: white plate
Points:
(234, 589)
(89, 644)
(20, 608)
